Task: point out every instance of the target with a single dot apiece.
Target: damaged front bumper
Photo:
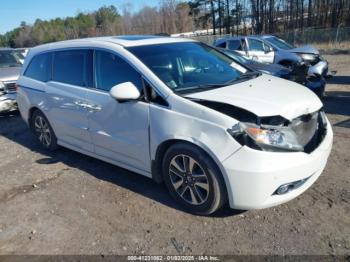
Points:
(257, 186)
(319, 69)
(8, 103)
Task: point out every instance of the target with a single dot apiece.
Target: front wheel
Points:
(193, 179)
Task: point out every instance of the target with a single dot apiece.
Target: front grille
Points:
(10, 87)
(310, 130)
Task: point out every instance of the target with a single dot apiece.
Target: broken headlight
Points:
(267, 138)
(308, 57)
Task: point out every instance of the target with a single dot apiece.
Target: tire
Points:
(321, 93)
(201, 189)
(43, 131)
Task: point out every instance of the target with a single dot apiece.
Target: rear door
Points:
(119, 130)
(66, 96)
(259, 51)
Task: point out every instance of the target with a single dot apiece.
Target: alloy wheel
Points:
(42, 130)
(189, 179)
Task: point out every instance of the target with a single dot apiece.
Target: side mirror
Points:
(267, 49)
(125, 92)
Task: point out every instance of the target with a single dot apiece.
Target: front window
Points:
(278, 42)
(256, 45)
(8, 59)
(190, 65)
(111, 70)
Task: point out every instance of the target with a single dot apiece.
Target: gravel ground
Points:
(68, 203)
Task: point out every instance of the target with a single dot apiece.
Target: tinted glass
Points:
(188, 65)
(111, 70)
(255, 45)
(235, 56)
(40, 67)
(221, 45)
(234, 45)
(73, 67)
(279, 43)
(8, 59)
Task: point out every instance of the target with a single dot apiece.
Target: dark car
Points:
(296, 74)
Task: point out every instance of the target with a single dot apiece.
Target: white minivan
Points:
(178, 111)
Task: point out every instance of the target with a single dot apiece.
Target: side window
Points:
(73, 67)
(40, 68)
(234, 45)
(222, 45)
(111, 70)
(255, 45)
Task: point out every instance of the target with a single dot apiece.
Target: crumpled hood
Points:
(306, 49)
(265, 96)
(9, 73)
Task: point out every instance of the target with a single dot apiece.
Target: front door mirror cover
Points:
(126, 91)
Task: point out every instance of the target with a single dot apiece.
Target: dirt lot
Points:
(68, 203)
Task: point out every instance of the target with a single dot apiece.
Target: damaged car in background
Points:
(307, 63)
(10, 67)
(296, 74)
(180, 112)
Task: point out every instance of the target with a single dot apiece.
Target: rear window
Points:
(40, 67)
(73, 67)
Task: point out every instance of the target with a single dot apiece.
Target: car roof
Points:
(122, 40)
(220, 40)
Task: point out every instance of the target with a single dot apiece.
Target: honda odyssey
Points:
(179, 112)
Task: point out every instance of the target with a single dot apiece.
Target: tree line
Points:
(176, 16)
(268, 16)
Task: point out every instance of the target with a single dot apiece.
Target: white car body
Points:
(82, 121)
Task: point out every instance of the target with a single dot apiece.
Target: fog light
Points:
(283, 189)
(290, 186)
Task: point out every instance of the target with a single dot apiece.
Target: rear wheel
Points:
(43, 131)
(193, 179)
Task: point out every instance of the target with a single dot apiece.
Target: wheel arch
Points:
(165, 145)
(285, 61)
(31, 113)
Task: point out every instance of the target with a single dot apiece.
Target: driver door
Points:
(119, 130)
(259, 51)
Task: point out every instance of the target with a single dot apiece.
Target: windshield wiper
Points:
(202, 87)
(248, 75)
(206, 87)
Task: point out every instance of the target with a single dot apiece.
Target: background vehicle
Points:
(181, 112)
(318, 66)
(10, 67)
(316, 84)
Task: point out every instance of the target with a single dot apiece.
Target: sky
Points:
(13, 12)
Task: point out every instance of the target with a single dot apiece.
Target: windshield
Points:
(278, 42)
(235, 56)
(8, 59)
(183, 66)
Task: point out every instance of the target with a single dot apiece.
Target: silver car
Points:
(271, 49)
(10, 67)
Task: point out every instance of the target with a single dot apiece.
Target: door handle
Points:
(90, 107)
(93, 108)
(80, 103)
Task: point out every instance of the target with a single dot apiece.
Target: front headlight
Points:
(308, 57)
(270, 138)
